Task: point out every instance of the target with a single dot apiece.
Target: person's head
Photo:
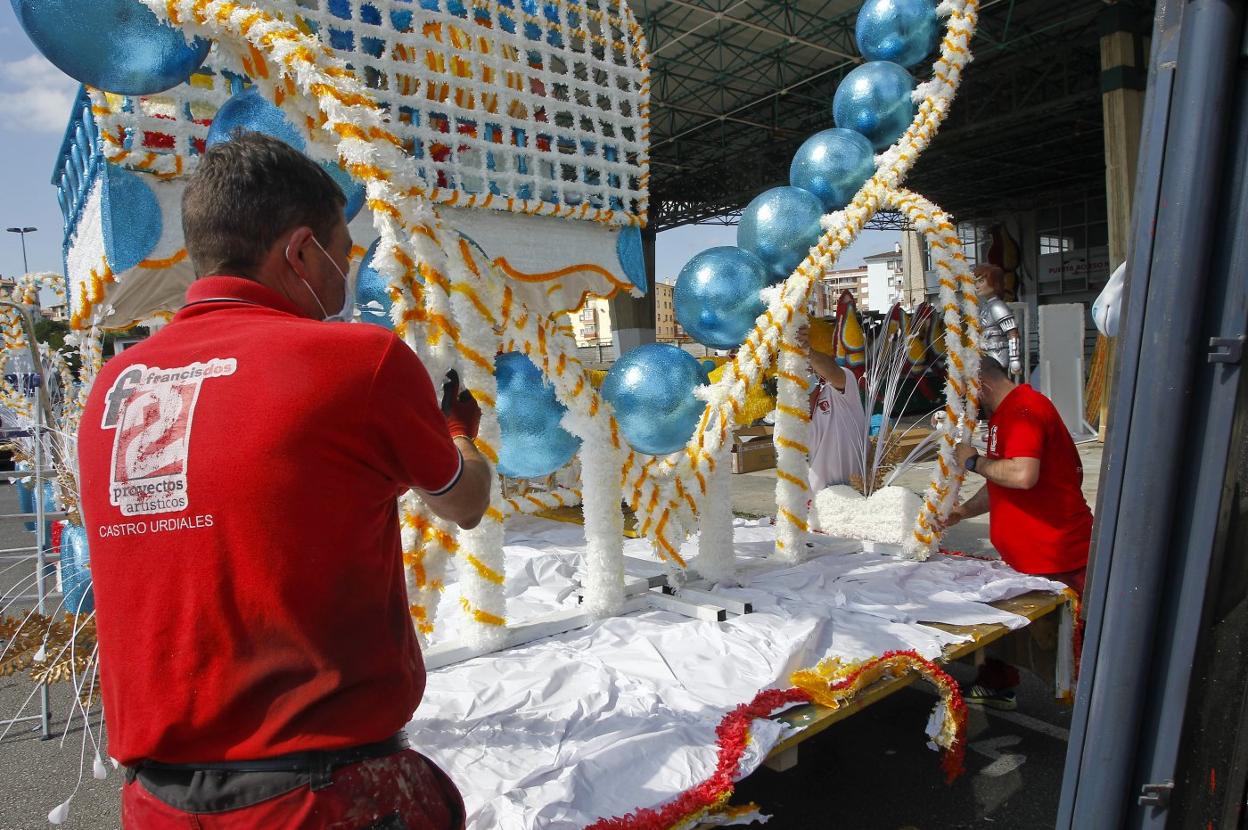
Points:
(257, 208)
(989, 280)
(994, 384)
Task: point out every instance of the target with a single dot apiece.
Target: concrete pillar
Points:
(633, 318)
(913, 268)
(1124, 75)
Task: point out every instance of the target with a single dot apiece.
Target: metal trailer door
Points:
(1160, 727)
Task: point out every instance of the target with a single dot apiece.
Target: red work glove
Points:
(464, 416)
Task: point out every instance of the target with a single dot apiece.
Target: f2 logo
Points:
(152, 411)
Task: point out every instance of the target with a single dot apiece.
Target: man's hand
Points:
(956, 515)
(962, 452)
(802, 335)
(823, 365)
(464, 416)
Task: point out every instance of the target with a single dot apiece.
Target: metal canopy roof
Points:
(737, 85)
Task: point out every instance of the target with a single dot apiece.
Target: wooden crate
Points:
(752, 449)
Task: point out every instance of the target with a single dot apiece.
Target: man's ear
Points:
(296, 246)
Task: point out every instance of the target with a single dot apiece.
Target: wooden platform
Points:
(572, 515)
(814, 718)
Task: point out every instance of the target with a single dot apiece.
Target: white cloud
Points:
(35, 96)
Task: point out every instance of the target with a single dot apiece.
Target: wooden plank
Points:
(572, 515)
(813, 719)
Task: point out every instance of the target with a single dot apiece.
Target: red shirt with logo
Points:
(239, 472)
(1046, 529)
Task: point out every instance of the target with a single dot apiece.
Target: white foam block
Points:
(887, 516)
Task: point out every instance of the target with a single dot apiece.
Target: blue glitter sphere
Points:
(874, 100)
(372, 291)
(833, 165)
(902, 31)
(250, 111)
(533, 443)
(76, 571)
(130, 217)
(352, 189)
(115, 45)
(651, 390)
(779, 227)
(716, 296)
(26, 502)
(632, 256)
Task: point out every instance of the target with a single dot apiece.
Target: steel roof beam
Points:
(749, 24)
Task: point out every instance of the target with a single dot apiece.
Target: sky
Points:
(35, 98)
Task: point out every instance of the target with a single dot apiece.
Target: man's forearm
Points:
(466, 502)
(1014, 473)
(976, 505)
(826, 367)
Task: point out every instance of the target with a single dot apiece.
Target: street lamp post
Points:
(22, 232)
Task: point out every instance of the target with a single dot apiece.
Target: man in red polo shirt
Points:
(239, 472)
(1038, 518)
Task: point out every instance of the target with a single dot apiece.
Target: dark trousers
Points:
(403, 791)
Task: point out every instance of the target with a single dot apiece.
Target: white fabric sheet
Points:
(622, 714)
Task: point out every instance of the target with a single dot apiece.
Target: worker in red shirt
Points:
(239, 472)
(1038, 518)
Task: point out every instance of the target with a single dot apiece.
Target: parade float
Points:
(461, 132)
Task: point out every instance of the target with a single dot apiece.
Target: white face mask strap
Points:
(348, 301)
(348, 297)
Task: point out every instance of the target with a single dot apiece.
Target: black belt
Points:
(318, 764)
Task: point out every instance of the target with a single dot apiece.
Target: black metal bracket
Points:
(1226, 349)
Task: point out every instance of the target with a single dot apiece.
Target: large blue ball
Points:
(779, 227)
(351, 188)
(115, 45)
(833, 165)
(717, 298)
(874, 99)
(651, 390)
(902, 31)
(250, 111)
(372, 291)
(131, 219)
(76, 571)
(534, 444)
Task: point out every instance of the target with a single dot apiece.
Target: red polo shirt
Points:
(239, 473)
(1047, 529)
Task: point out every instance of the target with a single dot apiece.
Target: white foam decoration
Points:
(84, 252)
(787, 312)
(481, 548)
(537, 501)
(424, 554)
(717, 560)
(59, 813)
(886, 516)
(669, 491)
(589, 417)
(503, 114)
(98, 770)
